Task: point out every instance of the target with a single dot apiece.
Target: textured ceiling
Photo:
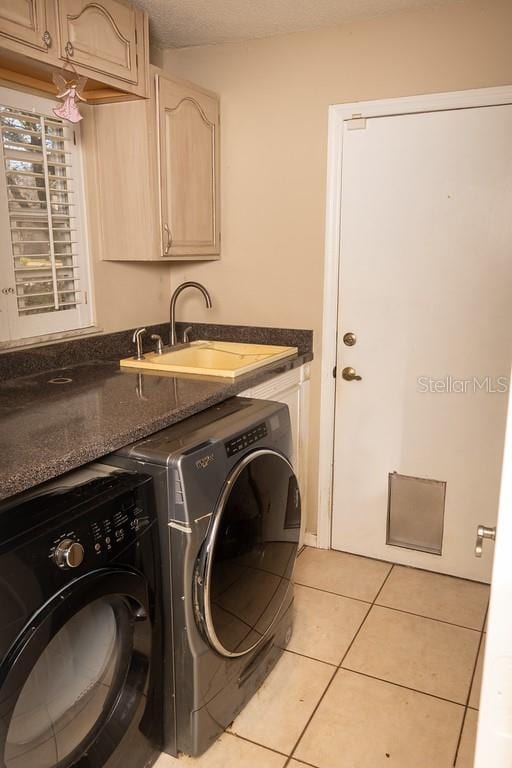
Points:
(181, 23)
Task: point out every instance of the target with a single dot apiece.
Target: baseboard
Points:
(310, 539)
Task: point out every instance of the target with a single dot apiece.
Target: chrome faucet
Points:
(174, 297)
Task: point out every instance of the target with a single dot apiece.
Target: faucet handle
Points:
(186, 338)
(137, 339)
(159, 343)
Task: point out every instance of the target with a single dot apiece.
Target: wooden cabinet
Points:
(24, 21)
(292, 388)
(101, 36)
(188, 121)
(107, 41)
(119, 142)
(153, 174)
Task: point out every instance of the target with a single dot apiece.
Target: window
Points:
(43, 259)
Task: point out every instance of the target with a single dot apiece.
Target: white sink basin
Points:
(211, 358)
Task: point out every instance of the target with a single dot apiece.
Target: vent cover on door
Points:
(416, 513)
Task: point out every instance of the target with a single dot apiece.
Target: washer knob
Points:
(68, 554)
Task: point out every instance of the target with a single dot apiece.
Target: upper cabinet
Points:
(188, 123)
(153, 173)
(101, 36)
(107, 41)
(24, 21)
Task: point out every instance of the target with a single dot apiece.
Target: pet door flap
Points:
(416, 513)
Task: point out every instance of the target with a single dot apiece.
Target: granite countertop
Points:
(58, 419)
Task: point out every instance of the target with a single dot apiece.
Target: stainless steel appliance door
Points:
(246, 564)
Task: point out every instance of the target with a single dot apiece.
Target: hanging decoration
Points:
(70, 91)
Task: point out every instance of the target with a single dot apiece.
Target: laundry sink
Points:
(211, 358)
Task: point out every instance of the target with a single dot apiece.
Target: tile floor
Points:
(383, 669)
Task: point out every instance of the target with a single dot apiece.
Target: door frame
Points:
(338, 115)
(493, 745)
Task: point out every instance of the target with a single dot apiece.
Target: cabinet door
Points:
(25, 22)
(101, 36)
(189, 173)
(121, 166)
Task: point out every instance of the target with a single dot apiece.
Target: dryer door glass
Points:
(72, 687)
(253, 544)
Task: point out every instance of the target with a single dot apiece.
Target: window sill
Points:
(37, 341)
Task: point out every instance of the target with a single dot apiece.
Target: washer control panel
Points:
(68, 554)
(101, 538)
(246, 439)
(119, 528)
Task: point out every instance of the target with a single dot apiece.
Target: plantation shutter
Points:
(40, 168)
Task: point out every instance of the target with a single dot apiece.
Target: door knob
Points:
(350, 374)
(483, 532)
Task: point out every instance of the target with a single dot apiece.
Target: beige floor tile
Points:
(370, 724)
(166, 761)
(280, 709)
(325, 624)
(436, 596)
(227, 752)
(474, 699)
(423, 654)
(466, 754)
(347, 575)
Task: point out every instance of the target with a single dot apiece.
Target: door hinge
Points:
(86, 297)
(334, 372)
(357, 123)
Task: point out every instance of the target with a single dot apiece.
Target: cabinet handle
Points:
(47, 39)
(167, 248)
(70, 51)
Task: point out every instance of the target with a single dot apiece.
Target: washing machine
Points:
(229, 499)
(81, 639)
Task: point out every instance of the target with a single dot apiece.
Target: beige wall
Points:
(129, 295)
(274, 100)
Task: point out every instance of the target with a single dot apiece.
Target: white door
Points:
(426, 286)
(494, 739)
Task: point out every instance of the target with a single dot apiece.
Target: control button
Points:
(97, 547)
(68, 554)
(107, 540)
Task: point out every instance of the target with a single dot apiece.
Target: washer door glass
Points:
(253, 544)
(72, 687)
